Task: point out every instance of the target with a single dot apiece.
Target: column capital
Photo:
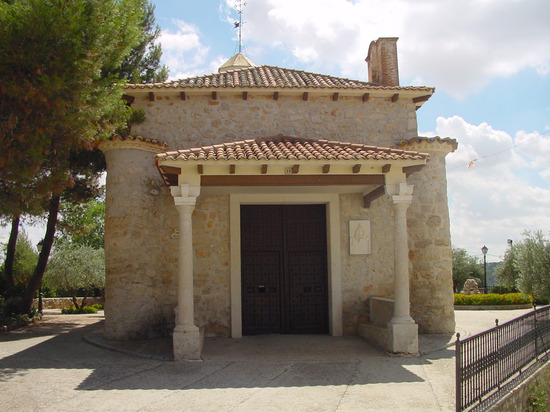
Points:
(185, 195)
(400, 193)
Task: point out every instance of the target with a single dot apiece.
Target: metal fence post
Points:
(499, 363)
(458, 373)
(536, 332)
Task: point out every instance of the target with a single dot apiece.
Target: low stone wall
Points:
(65, 303)
(375, 335)
(381, 311)
(376, 331)
(518, 398)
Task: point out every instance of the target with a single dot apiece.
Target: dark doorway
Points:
(284, 269)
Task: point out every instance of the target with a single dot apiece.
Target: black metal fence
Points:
(488, 361)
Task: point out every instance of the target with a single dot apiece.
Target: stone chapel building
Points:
(268, 200)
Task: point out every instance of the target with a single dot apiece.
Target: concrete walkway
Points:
(51, 366)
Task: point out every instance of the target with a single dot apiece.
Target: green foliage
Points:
(507, 272)
(78, 311)
(533, 264)
(493, 299)
(25, 261)
(58, 94)
(73, 267)
(14, 320)
(54, 99)
(142, 65)
(526, 266)
(503, 289)
(539, 393)
(464, 267)
(83, 224)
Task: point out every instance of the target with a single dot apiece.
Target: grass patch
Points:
(539, 395)
(492, 299)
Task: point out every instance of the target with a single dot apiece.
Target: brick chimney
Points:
(382, 62)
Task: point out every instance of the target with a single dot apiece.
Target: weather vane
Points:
(239, 24)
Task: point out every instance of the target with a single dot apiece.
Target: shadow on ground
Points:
(256, 361)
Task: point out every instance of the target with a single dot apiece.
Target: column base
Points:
(403, 338)
(188, 342)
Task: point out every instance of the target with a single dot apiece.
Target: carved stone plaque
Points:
(359, 237)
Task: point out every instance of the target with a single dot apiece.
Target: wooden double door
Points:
(284, 269)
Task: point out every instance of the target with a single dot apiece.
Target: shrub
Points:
(493, 299)
(78, 311)
(501, 290)
(542, 301)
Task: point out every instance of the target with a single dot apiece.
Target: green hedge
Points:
(75, 311)
(493, 299)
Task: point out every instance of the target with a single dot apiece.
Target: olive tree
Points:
(76, 267)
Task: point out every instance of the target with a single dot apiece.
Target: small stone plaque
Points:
(359, 237)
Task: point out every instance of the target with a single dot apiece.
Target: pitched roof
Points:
(271, 77)
(291, 148)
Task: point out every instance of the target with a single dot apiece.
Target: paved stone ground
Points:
(52, 367)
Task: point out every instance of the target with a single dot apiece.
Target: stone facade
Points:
(211, 263)
(142, 223)
(365, 276)
(140, 254)
(200, 121)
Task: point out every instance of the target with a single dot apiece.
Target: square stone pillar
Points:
(187, 338)
(403, 331)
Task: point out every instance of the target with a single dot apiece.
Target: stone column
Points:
(188, 338)
(403, 331)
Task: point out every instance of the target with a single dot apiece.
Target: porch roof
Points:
(285, 161)
(291, 148)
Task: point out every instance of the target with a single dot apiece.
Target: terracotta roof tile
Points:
(291, 148)
(436, 139)
(270, 77)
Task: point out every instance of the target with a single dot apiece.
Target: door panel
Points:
(261, 292)
(307, 292)
(283, 270)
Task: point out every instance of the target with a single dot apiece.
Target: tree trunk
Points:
(75, 301)
(10, 256)
(36, 280)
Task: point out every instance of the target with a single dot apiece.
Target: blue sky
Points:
(489, 61)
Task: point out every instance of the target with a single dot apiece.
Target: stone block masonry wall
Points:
(364, 276)
(200, 121)
(65, 303)
(140, 255)
(430, 249)
(211, 265)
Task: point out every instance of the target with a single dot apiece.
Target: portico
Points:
(287, 170)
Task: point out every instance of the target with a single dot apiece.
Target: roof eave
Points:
(419, 94)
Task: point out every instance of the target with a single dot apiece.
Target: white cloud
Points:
(457, 46)
(183, 51)
(500, 195)
(537, 147)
